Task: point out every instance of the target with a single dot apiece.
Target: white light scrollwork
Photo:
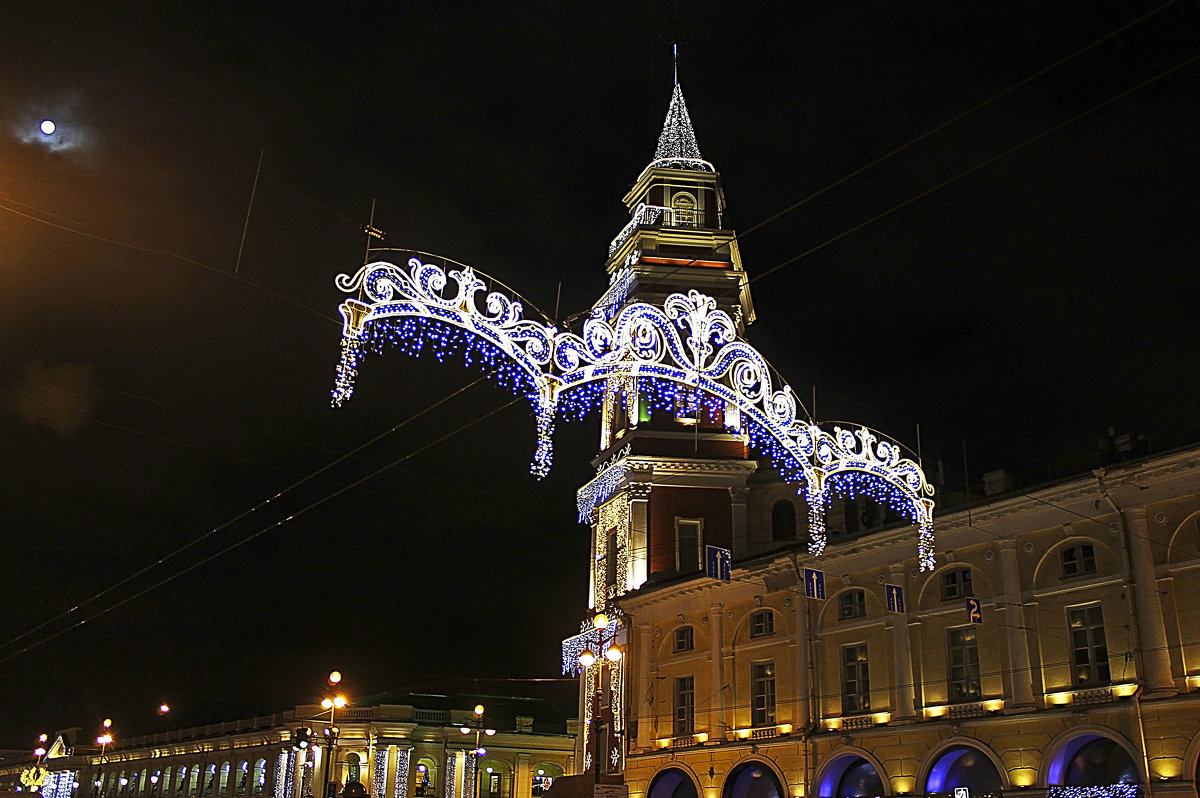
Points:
(686, 351)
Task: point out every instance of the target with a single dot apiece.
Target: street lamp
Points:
(333, 704)
(587, 658)
(478, 752)
(104, 740)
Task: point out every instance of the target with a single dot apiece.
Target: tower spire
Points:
(675, 61)
(678, 139)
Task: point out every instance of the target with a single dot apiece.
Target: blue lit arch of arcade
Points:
(684, 355)
(850, 775)
(1092, 766)
(964, 766)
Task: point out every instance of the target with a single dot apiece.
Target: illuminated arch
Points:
(753, 778)
(834, 772)
(959, 757)
(673, 781)
(1057, 765)
(684, 353)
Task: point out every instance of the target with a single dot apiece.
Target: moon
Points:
(47, 127)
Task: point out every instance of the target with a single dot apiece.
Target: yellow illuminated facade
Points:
(412, 750)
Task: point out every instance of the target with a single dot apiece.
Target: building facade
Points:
(417, 749)
(1049, 649)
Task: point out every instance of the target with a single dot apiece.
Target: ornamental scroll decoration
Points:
(687, 346)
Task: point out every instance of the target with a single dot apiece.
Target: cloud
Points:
(59, 396)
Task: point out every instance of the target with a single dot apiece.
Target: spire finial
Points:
(675, 61)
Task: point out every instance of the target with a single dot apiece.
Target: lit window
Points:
(856, 681)
(1078, 560)
(762, 692)
(852, 604)
(956, 584)
(1089, 647)
(685, 705)
(964, 664)
(762, 623)
(685, 639)
(683, 208)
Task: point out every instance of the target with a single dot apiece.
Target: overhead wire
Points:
(245, 513)
(246, 538)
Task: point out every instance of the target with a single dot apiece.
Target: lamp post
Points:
(333, 704)
(104, 739)
(613, 653)
(478, 752)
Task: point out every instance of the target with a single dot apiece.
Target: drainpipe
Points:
(1137, 705)
(1130, 589)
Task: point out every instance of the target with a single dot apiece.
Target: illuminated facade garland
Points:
(403, 761)
(1102, 791)
(683, 352)
(600, 489)
(448, 787)
(379, 776)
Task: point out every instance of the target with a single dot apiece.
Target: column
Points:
(522, 779)
(718, 715)
(741, 540)
(641, 693)
(1151, 628)
(804, 712)
(903, 707)
(1020, 668)
(639, 523)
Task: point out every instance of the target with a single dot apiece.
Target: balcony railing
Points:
(655, 214)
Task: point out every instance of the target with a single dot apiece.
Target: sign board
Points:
(962, 792)
(718, 563)
(814, 584)
(895, 597)
(610, 791)
(975, 613)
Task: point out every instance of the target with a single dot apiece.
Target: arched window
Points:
(683, 209)
(181, 779)
(850, 776)
(1091, 761)
(752, 780)
(425, 780)
(964, 766)
(243, 775)
(783, 521)
(165, 783)
(260, 776)
(223, 785)
(353, 768)
(672, 783)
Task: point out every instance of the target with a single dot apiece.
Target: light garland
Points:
(403, 760)
(677, 143)
(590, 638)
(379, 777)
(470, 766)
(448, 787)
(285, 773)
(598, 491)
(1102, 791)
(685, 355)
(614, 515)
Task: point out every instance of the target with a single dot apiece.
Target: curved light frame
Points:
(687, 341)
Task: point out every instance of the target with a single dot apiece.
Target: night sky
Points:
(152, 398)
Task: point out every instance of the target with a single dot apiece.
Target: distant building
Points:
(414, 748)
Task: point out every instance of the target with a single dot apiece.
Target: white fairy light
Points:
(685, 354)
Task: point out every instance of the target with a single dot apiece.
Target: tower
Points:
(671, 466)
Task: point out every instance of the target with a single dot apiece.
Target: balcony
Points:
(654, 214)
